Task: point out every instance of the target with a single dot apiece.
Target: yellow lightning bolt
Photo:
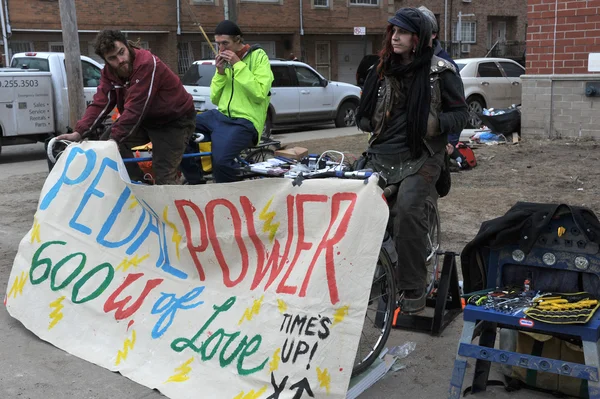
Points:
(128, 344)
(176, 236)
(181, 372)
(251, 394)
(251, 311)
(18, 284)
(274, 364)
(281, 306)
(35, 231)
(56, 315)
(134, 202)
(267, 217)
(340, 314)
(324, 379)
(135, 262)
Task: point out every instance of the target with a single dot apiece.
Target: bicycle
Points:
(382, 305)
(251, 155)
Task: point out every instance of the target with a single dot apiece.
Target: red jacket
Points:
(153, 94)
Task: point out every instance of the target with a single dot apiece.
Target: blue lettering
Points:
(112, 218)
(91, 190)
(64, 179)
(171, 306)
(163, 258)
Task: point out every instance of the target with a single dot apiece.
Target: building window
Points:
(203, 1)
(468, 32)
(261, 1)
(56, 47)
(268, 47)
(364, 2)
(207, 51)
(321, 3)
(322, 57)
(184, 57)
(19, 47)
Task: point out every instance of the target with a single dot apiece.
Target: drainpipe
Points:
(301, 25)
(226, 9)
(6, 60)
(446, 23)
(178, 18)
(301, 34)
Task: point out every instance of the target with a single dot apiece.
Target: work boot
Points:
(412, 301)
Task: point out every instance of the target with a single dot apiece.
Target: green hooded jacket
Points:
(244, 90)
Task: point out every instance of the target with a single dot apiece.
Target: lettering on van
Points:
(10, 83)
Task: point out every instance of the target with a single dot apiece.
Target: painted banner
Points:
(256, 289)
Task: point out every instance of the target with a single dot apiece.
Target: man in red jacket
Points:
(152, 102)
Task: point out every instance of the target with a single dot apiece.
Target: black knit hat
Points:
(227, 27)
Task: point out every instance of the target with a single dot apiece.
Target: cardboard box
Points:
(296, 153)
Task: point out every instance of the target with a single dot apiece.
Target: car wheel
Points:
(475, 105)
(346, 115)
(266, 133)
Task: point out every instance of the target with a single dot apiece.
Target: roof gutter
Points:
(85, 31)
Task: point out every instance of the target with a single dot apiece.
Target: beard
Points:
(125, 69)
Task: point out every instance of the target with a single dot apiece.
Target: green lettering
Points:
(107, 280)
(250, 349)
(73, 274)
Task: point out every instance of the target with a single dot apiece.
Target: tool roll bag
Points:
(565, 238)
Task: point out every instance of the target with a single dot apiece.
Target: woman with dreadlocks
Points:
(411, 101)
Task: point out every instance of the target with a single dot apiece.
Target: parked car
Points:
(363, 68)
(490, 83)
(299, 95)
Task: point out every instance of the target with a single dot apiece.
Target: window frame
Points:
(357, 3)
(11, 52)
(190, 57)
(516, 67)
(483, 63)
(298, 68)
(56, 44)
(462, 32)
(326, 5)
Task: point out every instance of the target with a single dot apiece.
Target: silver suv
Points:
(299, 95)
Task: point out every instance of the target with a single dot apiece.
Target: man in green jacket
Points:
(241, 91)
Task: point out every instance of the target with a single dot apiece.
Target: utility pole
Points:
(70, 35)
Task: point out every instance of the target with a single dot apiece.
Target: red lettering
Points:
(328, 244)
(302, 245)
(274, 261)
(278, 267)
(194, 249)
(237, 233)
(121, 312)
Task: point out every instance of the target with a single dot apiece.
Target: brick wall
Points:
(577, 26)
(95, 14)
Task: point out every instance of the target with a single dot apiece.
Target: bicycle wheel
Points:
(434, 239)
(378, 317)
(259, 155)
